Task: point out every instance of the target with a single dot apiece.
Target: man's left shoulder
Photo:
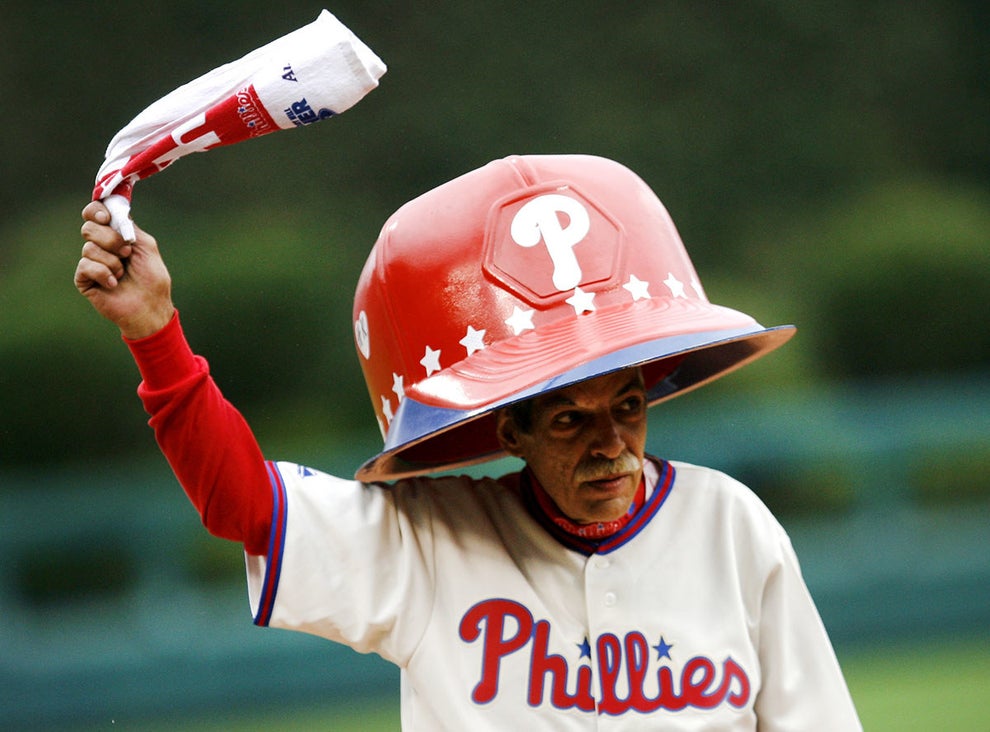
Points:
(698, 482)
(705, 478)
(706, 497)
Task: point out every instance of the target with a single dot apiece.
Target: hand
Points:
(126, 282)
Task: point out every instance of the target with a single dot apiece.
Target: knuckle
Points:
(82, 274)
(93, 251)
(90, 231)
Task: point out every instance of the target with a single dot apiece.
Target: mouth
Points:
(610, 483)
(611, 475)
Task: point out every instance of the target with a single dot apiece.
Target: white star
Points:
(697, 287)
(387, 408)
(431, 360)
(520, 320)
(637, 288)
(581, 301)
(675, 285)
(473, 340)
(398, 388)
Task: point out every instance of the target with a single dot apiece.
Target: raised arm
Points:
(207, 442)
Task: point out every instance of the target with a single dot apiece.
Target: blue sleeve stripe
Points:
(276, 546)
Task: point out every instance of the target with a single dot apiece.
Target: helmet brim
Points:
(440, 429)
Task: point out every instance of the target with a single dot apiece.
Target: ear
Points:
(507, 432)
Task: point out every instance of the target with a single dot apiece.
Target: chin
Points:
(610, 513)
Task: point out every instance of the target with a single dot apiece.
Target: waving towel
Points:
(307, 75)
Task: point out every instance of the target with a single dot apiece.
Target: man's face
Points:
(586, 444)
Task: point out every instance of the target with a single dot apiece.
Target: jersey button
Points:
(602, 563)
(609, 599)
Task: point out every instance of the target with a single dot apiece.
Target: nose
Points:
(606, 439)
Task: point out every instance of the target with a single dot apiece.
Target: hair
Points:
(521, 414)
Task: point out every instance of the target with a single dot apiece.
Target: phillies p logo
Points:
(545, 244)
(538, 220)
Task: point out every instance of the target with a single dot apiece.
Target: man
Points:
(536, 307)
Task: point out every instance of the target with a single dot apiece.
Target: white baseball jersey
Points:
(695, 617)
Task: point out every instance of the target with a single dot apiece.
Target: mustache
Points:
(601, 468)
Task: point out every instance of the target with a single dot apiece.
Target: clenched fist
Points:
(127, 282)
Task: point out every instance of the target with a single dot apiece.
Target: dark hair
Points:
(522, 414)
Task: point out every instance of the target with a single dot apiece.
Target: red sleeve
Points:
(207, 442)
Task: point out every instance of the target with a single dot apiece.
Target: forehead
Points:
(601, 388)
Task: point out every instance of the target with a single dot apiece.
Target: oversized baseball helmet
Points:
(528, 275)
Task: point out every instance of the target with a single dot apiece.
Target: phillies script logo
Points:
(505, 627)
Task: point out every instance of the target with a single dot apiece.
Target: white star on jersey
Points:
(387, 409)
(473, 340)
(520, 320)
(398, 388)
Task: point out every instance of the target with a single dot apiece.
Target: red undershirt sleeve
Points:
(206, 441)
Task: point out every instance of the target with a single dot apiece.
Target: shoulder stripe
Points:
(276, 546)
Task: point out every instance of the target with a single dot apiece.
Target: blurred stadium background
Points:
(826, 165)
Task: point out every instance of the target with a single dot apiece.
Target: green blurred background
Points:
(826, 163)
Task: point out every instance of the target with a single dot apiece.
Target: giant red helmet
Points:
(527, 275)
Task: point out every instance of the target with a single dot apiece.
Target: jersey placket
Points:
(608, 612)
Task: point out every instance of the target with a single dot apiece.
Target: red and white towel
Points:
(310, 74)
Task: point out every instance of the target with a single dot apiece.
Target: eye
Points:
(632, 405)
(566, 419)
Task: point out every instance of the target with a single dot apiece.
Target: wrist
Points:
(164, 358)
(149, 324)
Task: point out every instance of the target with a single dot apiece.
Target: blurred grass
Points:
(368, 716)
(921, 686)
